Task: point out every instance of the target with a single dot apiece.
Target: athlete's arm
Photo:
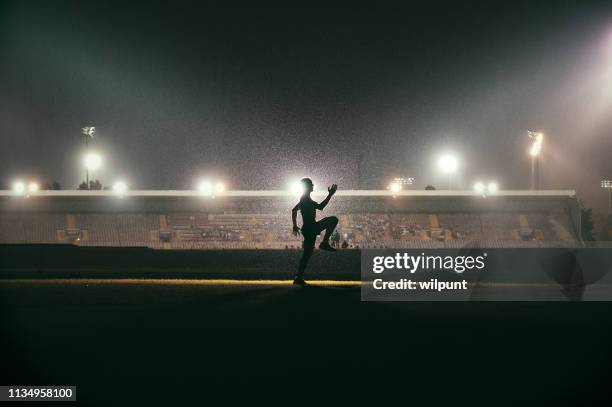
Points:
(330, 192)
(294, 212)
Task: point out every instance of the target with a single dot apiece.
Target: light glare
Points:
(32, 187)
(395, 187)
(448, 164)
(219, 188)
(19, 187)
(479, 187)
(536, 145)
(205, 188)
(535, 149)
(120, 188)
(93, 161)
(296, 188)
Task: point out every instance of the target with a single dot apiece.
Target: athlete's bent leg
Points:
(328, 224)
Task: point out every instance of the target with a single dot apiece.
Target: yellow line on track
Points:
(164, 281)
(231, 282)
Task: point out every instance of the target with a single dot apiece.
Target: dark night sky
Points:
(257, 97)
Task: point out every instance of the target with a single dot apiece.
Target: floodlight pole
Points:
(532, 173)
(608, 184)
(535, 172)
(86, 166)
(535, 158)
(536, 181)
(87, 133)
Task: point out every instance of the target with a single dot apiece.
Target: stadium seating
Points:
(258, 224)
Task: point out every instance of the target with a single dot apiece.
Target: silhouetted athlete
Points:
(310, 227)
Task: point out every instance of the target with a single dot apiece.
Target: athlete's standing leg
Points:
(309, 243)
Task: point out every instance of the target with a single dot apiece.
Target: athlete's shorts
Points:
(312, 230)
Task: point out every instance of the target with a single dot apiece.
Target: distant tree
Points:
(601, 226)
(54, 186)
(586, 216)
(430, 188)
(95, 185)
(607, 229)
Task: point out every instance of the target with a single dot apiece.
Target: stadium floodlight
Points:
(535, 151)
(479, 187)
(120, 188)
(448, 164)
(395, 187)
(492, 187)
(32, 187)
(209, 188)
(219, 188)
(93, 161)
(296, 188)
(205, 188)
(408, 181)
(88, 132)
(606, 183)
(19, 187)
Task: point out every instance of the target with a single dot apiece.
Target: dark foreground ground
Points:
(177, 343)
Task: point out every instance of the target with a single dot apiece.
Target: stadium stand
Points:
(180, 222)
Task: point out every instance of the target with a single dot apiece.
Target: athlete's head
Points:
(307, 185)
